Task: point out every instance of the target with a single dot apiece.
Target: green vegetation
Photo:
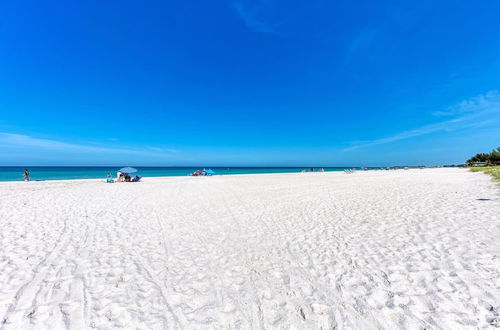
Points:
(491, 159)
(494, 171)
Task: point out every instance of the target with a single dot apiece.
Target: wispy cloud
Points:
(473, 113)
(154, 148)
(162, 149)
(28, 141)
(253, 15)
(23, 141)
(485, 102)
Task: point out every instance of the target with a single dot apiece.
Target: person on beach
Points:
(26, 175)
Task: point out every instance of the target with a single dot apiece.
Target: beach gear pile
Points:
(203, 172)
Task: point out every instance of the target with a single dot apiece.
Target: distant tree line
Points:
(491, 159)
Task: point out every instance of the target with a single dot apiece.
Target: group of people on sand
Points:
(201, 173)
(122, 177)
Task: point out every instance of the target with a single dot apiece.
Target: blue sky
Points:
(238, 82)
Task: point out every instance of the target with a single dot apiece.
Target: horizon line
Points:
(239, 166)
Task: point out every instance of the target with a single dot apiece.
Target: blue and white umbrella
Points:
(127, 170)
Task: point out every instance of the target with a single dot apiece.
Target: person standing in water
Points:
(26, 175)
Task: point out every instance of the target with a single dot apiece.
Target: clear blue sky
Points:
(240, 82)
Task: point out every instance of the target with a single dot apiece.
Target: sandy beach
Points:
(400, 249)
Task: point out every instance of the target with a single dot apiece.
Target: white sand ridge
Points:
(391, 249)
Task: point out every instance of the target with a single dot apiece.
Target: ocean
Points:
(13, 173)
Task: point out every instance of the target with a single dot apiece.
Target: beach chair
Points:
(136, 179)
(110, 180)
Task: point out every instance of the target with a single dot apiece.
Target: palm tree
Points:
(490, 159)
(494, 157)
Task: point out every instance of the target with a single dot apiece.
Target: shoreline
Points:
(231, 174)
(174, 176)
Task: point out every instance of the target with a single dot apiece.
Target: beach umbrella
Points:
(127, 170)
(209, 171)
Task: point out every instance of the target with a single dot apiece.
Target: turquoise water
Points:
(9, 173)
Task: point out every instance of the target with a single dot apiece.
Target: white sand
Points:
(385, 249)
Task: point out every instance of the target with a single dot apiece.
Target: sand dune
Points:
(384, 249)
